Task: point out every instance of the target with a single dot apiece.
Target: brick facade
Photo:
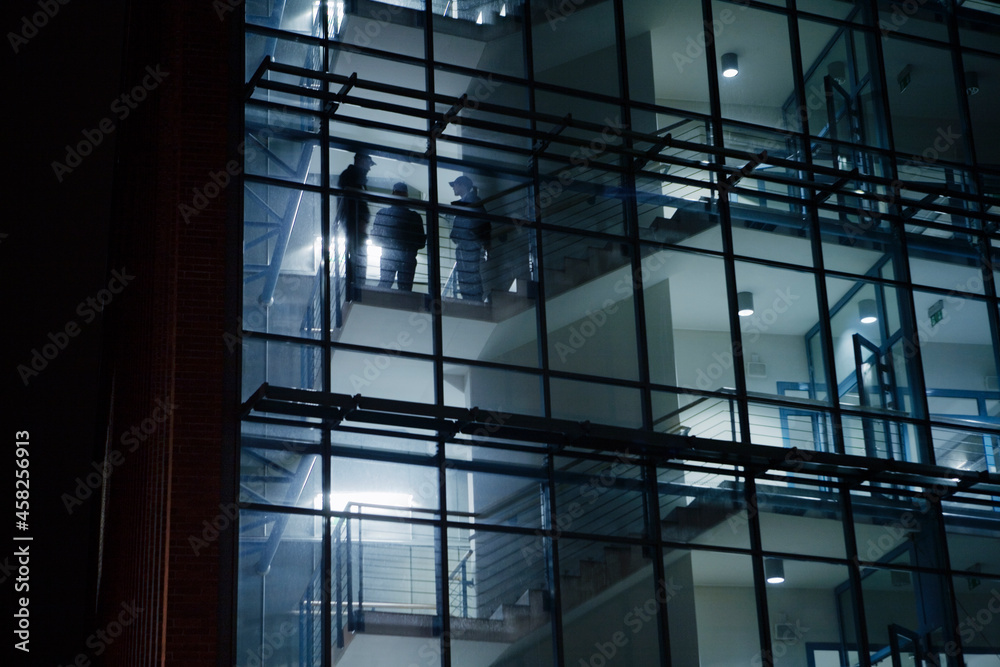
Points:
(166, 351)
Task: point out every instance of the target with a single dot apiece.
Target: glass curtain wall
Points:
(360, 547)
(733, 222)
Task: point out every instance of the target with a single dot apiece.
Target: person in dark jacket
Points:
(471, 235)
(400, 233)
(353, 216)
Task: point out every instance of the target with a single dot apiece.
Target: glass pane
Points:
(778, 309)
(700, 506)
(921, 78)
(486, 36)
(766, 228)
(287, 548)
(279, 476)
(841, 102)
(583, 55)
(927, 21)
(687, 320)
(712, 417)
(491, 389)
(597, 623)
(487, 498)
(378, 488)
(808, 521)
(598, 403)
(978, 70)
(802, 608)
(498, 594)
(603, 497)
(764, 85)
(712, 611)
(382, 375)
(589, 306)
(956, 347)
(666, 62)
(971, 538)
(281, 260)
(775, 426)
(837, 9)
(976, 599)
(280, 364)
(583, 196)
(675, 203)
(383, 573)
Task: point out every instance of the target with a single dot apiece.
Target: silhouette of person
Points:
(400, 233)
(471, 235)
(353, 215)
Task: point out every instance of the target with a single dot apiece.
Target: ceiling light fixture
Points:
(744, 304)
(869, 313)
(730, 66)
(774, 570)
(971, 83)
(838, 71)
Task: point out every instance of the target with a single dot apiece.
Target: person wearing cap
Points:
(400, 233)
(471, 235)
(353, 215)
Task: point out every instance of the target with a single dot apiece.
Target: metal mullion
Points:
(990, 288)
(638, 295)
(916, 370)
(553, 566)
(876, 69)
(854, 577)
(757, 560)
(725, 224)
(653, 524)
(819, 277)
(548, 518)
(434, 294)
(326, 588)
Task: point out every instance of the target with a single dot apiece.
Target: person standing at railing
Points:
(471, 234)
(400, 233)
(354, 216)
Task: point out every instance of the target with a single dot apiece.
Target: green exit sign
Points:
(936, 312)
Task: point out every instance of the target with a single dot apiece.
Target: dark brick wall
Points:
(166, 351)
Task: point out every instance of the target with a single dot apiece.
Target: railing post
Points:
(465, 590)
(350, 578)
(361, 581)
(339, 591)
(732, 420)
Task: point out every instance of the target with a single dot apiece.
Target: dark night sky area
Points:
(53, 254)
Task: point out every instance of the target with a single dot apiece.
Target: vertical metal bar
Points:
(760, 580)
(912, 353)
(535, 244)
(630, 205)
(827, 357)
(360, 621)
(441, 555)
(350, 573)
(327, 362)
(465, 589)
(660, 583)
(854, 572)
(339, 545)
(553, 566)
(725, 222)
